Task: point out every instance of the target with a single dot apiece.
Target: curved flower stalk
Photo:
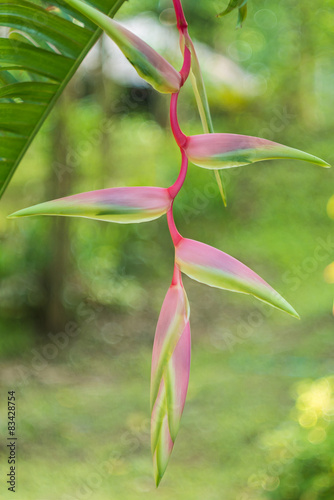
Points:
(123, 205)
(150, 65)
(169, 374)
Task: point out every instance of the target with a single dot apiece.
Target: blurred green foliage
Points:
(84, 401)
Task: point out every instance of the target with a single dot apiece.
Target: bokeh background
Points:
(80, 298)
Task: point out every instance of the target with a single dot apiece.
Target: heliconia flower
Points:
(216, 151)
(123, 205)
(169, 374)
(150, 65)
(215, 268)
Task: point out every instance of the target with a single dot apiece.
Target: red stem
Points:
(177, 279)
(175, 188)
(176, 237)
(179, 136)
(185, 70)
(181, 20)
(182, 26)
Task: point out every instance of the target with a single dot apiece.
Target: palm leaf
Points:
(44, 45)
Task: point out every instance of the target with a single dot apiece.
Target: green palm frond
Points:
(41, 47)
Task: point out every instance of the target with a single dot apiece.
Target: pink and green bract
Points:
(123, 205)
(201, 262)
(209, 265)
(170, 373)
(216, 151)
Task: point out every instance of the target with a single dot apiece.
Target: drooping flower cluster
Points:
(171, 350)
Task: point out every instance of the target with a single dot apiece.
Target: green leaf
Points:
(38, 58)
(23, 56)
(241, 5)
(43, 26)
(17, 118)
(242, 14)
(26, 90)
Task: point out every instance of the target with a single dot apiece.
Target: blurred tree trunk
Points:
(62, 177)
(103, 97)
(59, 185)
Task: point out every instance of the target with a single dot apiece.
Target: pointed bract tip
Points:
(313, 159)
(157, 479)
(20, 213)
(25, 212)
(325, 164)
(289, 309)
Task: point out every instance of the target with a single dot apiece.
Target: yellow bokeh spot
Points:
(317, 398)
(330, 207)
(308, 419)
(317, 435)
(329, 273)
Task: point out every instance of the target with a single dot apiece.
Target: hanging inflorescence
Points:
(203, 263)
